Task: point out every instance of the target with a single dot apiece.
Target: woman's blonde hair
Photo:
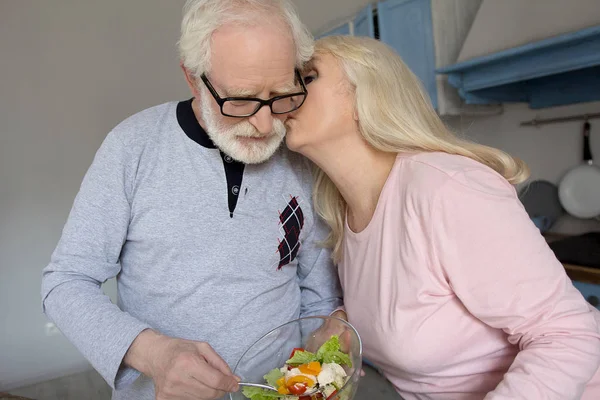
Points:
(394, 115)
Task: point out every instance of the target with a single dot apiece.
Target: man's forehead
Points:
(253, 59)
(247, 86)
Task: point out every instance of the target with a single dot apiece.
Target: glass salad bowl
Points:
(310, 358)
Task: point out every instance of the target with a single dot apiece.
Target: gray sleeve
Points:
(88, 255)
(319, 282)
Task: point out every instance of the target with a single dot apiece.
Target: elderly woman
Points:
(452, 287)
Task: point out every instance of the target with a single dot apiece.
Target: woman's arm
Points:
(502, 270)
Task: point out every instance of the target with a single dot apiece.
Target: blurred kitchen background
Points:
(70, 70)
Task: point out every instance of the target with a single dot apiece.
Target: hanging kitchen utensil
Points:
(579, 189)
(540, 199)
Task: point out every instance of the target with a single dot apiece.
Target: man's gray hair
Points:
(201, 18)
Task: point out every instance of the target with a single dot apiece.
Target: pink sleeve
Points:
(504, 273)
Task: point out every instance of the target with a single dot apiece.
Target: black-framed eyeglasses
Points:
(243, 107)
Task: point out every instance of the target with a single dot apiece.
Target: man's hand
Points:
(181, 369)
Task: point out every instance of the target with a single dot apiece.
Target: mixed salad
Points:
(306, 375)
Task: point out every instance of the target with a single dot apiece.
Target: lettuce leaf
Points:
(272, 376)
(254, 393)
(329, 352)
(302, 357)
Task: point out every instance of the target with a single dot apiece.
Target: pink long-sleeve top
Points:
(457, 296)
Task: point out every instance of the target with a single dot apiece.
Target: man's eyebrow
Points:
(287, 89)
(238, 92)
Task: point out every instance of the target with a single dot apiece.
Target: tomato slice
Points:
(295, 350)
(297, 388)
(316, 396)
(331, 395)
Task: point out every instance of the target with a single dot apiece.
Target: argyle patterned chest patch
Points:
(291, 222)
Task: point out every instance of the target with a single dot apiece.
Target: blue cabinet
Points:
(427, 34)
(406, 26)
(590, 292)
(556, 71)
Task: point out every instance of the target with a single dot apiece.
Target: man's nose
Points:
(263, 120)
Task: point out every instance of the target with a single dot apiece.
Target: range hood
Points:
(542, 52)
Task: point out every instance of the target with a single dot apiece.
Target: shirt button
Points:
(235, 190)
(228, 159)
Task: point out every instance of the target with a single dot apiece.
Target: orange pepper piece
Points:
(283, 390)
(312, 368)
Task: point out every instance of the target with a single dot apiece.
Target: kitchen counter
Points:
(577, 272)
(583, 274)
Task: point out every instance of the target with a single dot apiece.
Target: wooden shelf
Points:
(583, 274)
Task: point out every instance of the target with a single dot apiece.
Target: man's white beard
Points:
(227, 138)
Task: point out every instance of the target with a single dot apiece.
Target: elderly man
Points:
(206, 222)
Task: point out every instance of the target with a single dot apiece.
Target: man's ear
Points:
(190, 79)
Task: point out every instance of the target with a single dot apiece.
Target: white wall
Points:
(549, 150)
(69, 71)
